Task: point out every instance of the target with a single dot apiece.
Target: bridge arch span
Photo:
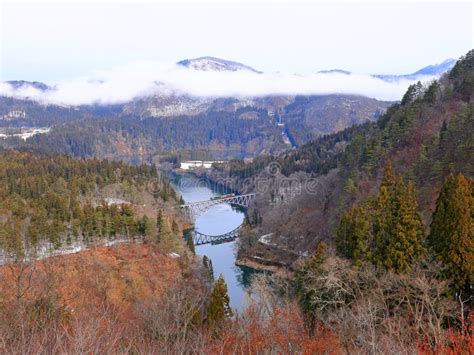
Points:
(201, 238)
(194, 209)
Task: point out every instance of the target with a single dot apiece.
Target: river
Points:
(217, 220)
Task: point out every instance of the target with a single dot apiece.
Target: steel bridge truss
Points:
(200, 238)
(195, 209)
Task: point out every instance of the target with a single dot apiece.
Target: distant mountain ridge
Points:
(215, 64)
(17, 84)
(228, 126)
(430, 70)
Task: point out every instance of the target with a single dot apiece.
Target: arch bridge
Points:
(194, 209)
(201, 238)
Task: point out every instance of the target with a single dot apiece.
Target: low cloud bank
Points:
(141, 79)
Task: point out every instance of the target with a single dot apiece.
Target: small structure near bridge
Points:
(193, 164)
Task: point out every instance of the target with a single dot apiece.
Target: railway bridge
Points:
(194, 209)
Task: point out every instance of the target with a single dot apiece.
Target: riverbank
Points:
(219, 219)
(263, 265)
(215, 182)
(264, 256)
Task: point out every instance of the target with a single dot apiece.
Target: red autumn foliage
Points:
(458, 341)
(283, 332)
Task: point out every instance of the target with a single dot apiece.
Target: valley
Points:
(357, 237)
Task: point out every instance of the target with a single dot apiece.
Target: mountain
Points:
(430, 70)
(335, 71)
(215, 64)
(17, 84)
(437, 69)
(225, 127)
(426, 138)
(150, 292)
(228, 127)
(308, 117)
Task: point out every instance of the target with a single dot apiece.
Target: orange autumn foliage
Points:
(283, 332)
(458, 341)
(117, 276)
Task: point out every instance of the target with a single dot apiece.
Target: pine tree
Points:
(219, 307)
(159, 222)
(397, 227)
(190, 244)
(143, 226)
(305, 278)
(389, 178)
(452, 230)
(432, 92)
(381, 219)
(354, 235)
(387, 231)
(405, 242)
(168, 240)
(412, 93)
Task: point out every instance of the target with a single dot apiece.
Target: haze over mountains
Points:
(236, 177)
(206, 77)
(223, 107)
(430, 70)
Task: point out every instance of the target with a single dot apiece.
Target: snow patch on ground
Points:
(46, 250)
(174, 255)
(266, 239)
(26, 133)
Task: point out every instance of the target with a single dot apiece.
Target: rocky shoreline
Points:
(264, 265)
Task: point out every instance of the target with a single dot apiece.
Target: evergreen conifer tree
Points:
(219, 307)
(405, 238)
(190, 243)
(168, 241)
(452, 230)
(354, 235)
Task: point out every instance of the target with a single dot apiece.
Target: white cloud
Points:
(124, 83)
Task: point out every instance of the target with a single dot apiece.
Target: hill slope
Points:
(429, 135)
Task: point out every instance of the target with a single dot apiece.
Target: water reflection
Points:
(219, 219)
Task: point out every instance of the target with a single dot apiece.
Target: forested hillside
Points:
(225, 127)
(372, 224)
(130, 138)
(376, 222)
(310, 117)
(427, 136)
(52, 201)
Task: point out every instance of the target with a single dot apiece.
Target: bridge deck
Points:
(194, 209)
(200, 238)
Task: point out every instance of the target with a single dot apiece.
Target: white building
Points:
(193, 164)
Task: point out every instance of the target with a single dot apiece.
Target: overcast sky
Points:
(57, 41)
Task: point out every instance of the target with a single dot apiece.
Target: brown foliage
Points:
(84, 301)
(283, 332)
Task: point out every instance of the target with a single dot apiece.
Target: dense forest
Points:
(136, 139)
(225, 127)
(427, 136)
(310, 117)
(385, 208)
(50, 201)
(376, 242)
